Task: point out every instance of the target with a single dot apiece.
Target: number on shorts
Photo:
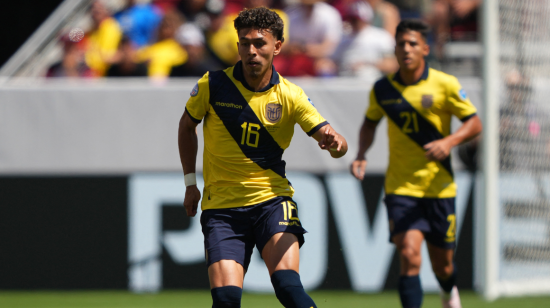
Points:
(287, 210)
(452, 226)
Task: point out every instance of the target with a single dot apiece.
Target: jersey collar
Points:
(238, 74)
(397, 76)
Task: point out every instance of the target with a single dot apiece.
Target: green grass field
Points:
(201, 299)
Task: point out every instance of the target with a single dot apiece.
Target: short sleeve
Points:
(458, 102)
(374, 112)
(306, 114)
(198, 104)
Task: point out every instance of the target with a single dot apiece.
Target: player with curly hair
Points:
(249, 114)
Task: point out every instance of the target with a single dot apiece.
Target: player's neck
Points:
(258, 82)
(412, 76)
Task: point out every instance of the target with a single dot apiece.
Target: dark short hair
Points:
(413, 25)
(261, 18)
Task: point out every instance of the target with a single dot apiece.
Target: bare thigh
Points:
(282, 252)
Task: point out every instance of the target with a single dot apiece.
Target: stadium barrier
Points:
(92, 191)
(131, 232)
(126, 126)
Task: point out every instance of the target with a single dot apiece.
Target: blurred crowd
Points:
(177, 38)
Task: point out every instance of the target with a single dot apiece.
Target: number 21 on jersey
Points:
(411, 122)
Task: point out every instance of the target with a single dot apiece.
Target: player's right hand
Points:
(191, 201)
(358, 167)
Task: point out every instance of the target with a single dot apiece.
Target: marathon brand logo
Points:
(289, 223)
(391, 101)
(230, 105)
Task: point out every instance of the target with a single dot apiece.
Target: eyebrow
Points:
(254, 39)
(410, 40)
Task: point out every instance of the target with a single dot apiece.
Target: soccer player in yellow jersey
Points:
(420, 192)
(249, 114)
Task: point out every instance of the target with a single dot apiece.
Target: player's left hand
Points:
(438, 150)
(330, 140)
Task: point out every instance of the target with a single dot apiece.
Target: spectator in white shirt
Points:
(315, 28)
(368, 51)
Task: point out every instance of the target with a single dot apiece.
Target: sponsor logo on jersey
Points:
(230, 105)
(427, 100)
(273, 112)
(462, 94)
(391, 101)
(195, 90)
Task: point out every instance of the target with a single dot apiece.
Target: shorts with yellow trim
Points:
(435, 217)
(232, 233)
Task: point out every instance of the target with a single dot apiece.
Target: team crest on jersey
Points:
(427, 101)
(195, 90)
(273, 112)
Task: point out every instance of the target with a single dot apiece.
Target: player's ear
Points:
(278, 46)
(426, 49)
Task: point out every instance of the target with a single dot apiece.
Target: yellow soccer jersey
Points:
(162, 56)
(102, 45)
(418, 114)
(245, 135)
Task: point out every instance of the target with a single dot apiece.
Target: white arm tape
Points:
(190, 179)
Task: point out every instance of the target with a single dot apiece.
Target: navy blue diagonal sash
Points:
(233, 109)
(396, 105)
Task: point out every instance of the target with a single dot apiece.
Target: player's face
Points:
(410, 50)
(257, 49)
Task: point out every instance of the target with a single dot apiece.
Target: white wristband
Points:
(190, 179)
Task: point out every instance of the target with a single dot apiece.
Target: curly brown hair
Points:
(261, 18)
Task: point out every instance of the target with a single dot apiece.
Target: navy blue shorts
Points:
(435, 217)
(231, 234)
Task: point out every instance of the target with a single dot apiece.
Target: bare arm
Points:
(324, 49)
(188, 145)
(366, 137)
(440, 149)
(462, 8)
(329, 139)
(391, 16)
(387, 65)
